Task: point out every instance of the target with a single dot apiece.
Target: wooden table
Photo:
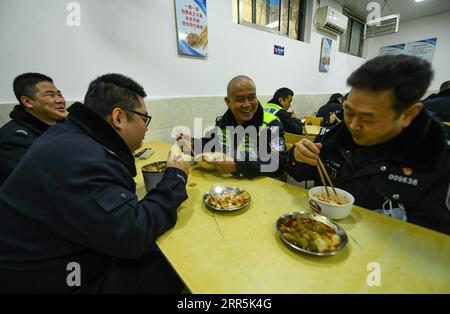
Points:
(240, 252)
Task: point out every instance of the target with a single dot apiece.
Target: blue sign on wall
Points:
(278, 50)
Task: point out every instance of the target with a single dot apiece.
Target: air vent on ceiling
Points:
(382, 26)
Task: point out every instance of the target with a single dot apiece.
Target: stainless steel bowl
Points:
(218, 190)
(339, 231)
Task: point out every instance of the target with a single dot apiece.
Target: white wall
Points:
(418, 29)
(138, 38)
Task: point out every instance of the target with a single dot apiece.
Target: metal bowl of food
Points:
(311, 233)
(153, 173)
(226, 198)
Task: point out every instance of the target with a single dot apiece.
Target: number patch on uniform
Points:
(402, 179)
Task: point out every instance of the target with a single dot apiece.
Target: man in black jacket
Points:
(41, 105)
(390, 153)
(279, 105)
(71, 221)
(251, 139)
(440, 104)
(332, 112)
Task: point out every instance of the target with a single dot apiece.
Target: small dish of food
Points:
(311, 233)
(333, 206)
(226, 198)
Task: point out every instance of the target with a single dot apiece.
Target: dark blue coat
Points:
(72, 199)
(440, 105)
(411, 172)
(16, 137)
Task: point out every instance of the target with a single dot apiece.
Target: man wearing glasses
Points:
(79, 210)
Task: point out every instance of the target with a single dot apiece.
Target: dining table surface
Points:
(240, 251)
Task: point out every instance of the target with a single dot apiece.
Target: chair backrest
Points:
(313, 120)
(448, 123)
(291, 139)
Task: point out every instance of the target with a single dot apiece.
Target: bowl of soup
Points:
(331, 205)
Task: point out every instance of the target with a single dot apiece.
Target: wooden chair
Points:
(312, 120)
(290, 139)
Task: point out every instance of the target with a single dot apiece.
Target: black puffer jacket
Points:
(408, 176)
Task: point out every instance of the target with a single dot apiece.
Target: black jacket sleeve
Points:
(299, 170)
(96, 209)
(290, 125)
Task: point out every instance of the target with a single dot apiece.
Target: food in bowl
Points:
(310, 234)
(332, 199)
(332, 206)
(205, 160)
(159, 166)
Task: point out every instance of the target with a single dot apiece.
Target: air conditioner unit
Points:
(331, 21)
(382, 26)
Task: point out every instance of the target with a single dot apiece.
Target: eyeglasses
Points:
(146, 118)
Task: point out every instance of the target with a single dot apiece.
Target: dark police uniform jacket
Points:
(407, 178)
(326, 110)
(72, 200)
(260, 156)
(16, 137)
(440, 104)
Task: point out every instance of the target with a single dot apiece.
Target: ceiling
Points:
(408, 9)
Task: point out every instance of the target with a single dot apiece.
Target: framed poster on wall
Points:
(325, 55)
(192, 27)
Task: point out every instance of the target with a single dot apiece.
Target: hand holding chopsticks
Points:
(323, 172)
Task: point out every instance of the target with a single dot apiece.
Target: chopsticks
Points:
(323, 172)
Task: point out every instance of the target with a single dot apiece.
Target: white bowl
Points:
(333, 211)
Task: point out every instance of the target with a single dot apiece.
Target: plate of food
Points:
(311, 233)
(226, 198)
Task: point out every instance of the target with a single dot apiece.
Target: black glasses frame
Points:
(147, 117)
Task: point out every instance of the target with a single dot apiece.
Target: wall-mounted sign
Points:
(422, 48)
(192, 27)
(325, 55)
(392, 50)
(278, 50)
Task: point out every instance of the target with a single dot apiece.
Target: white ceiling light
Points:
(419, 0)
(273, 24)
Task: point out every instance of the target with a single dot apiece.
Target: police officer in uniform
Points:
(390, 153)
(279, 105)
(251, 139)
(71, 221)
(41, 105)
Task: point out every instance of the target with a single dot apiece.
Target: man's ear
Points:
(118, 119)
(411, 113)
(227, 101)
(27, 102)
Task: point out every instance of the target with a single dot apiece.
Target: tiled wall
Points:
(172, 112)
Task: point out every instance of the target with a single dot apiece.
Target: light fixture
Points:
(273, 24)
(419, 0)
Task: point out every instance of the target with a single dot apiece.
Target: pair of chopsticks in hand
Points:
(323, 172)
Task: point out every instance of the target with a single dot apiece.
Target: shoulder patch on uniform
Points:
(21, 132)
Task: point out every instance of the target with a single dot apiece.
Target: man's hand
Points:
(222, 163)
(307, 151)
(175, 160)
(184, 142)
(293, 115)
(333, 118)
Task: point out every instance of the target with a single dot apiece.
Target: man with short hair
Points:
(250, 138)
(41, 105)
(390, 153)
(71, 204)
(332, 112)
(279, 106)
(440, 104)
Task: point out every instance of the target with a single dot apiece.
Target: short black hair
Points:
(336, 97)
(408, 78)
(282, 93)
(25, 84)
(111, 91)
(444, 86)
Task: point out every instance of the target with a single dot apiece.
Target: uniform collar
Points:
(102, 132)
(20, 115)
(228, 119)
